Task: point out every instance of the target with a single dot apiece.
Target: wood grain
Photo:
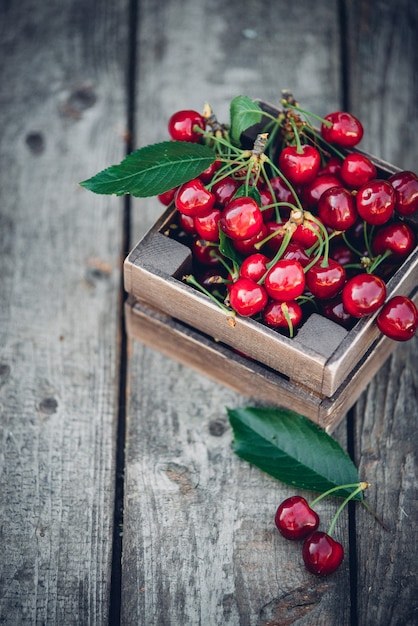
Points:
(200, 545)
(62, 106)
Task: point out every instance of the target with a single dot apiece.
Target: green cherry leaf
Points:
(292, 449)
(152, 170)
(244, 113)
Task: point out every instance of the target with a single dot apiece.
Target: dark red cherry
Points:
(300, 168)
(346, 130)
(375, 202)
(282, 314)
(249, 246)
(186, 222)
(296, 251)
(363, 294)
(167, 197)
(224, 190)
(397, 237)
(356, 170)
(398, 318)
(335, 311)
(405, 184)
(285, 280)
(206, 252)
(337, 208)
(194, 199)
(307, 233)
(294, 517)
(207, 175)
(325, 279)
(332, 166)
(311, 193)
(207, 225)
(321, 553)
(254, 266)
(181, 126)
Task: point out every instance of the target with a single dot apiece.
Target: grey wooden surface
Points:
(81, 409)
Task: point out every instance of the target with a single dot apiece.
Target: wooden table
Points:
(118, 485)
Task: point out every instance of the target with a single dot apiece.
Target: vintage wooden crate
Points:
(319, 373)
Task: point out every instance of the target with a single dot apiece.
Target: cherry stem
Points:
(284, 179)
(191, 280)
(299, 149)
(286, 104)
(361, 487)
(339, 488)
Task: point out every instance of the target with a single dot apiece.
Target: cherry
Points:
(267, 200)
(241, 218)
(397, 237)
(363, 294)
(167, 197)
(398, 318)
(225, 189)
(325, 279)
(312, 193)
(296, 251)
(285, 280)
(249, 246)
(375, 201)
(307, 233)
(283, 314)
(181, 126)
(295, 519)
(247, 297)
(281, 190)
(300, 165)
(207, 175)
(405, 184)
(321, 553)
(207, 225)
(332, 166)
(356, 170)
(337, 208)
(346, 130)
(194, 199)
(187, 223)
(334, 310)
(254, 266)
(205, 252)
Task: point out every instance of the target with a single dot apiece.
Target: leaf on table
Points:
(292, 449)
(153, 170)
(244, 113)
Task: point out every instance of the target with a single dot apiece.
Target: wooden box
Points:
(320, 372)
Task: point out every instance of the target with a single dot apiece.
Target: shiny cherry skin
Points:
(405, 184)
(207, 225)
(332, 166)
(334, 310)
(224, 190)
(167, 197)
(248, 246)
(337, 208)
(363, 294)
(206, 252)
(254, 266)
(356, 170)
(194, 199)
(300, 168)
(312, 193)
(346, 130)
(207, 174)
(181, 126)
(285, 280)
(321, 553)
(247, 297)
(294, 517)
(375, 202)
(296, 251)
(325, 280)
(241, 218)
(281, 190)
(186, 222)
(397, 237)
(398, 318)
(278, 314)
(307, 234)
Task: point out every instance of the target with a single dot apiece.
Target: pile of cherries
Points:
(297, 520)
(299, 224)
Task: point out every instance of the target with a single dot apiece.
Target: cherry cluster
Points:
(299, 222)
(297, 520)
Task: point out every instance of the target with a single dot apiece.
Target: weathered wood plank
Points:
(384, 72)
(200, 545)
(62, 108)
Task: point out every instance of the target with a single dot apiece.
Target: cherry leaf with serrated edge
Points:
(153, 170)
(293, 449)
(244, 113)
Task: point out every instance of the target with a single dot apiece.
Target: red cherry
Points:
(194, 199)
(325, 281)
(296, 251)
(397, 237)
(285, 280)
(312, 193)
(398, 318)
(224, 190)
(266, 200)
(363, 294)
(206, 252)
(307, 233)
(346, 130)
(241, 218)
(375, 201)
(181, 126)
(332, 166)
(254, 266)
(405, 184)
(207, 175)
(248, 246)
(337, 209)
(207, 225)
(295, 519)
(167, 197)
(356, 170)
(335, 311)
(186, 222)
(278, 314)
(300, 168)
(321, 554)
(247, 297)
